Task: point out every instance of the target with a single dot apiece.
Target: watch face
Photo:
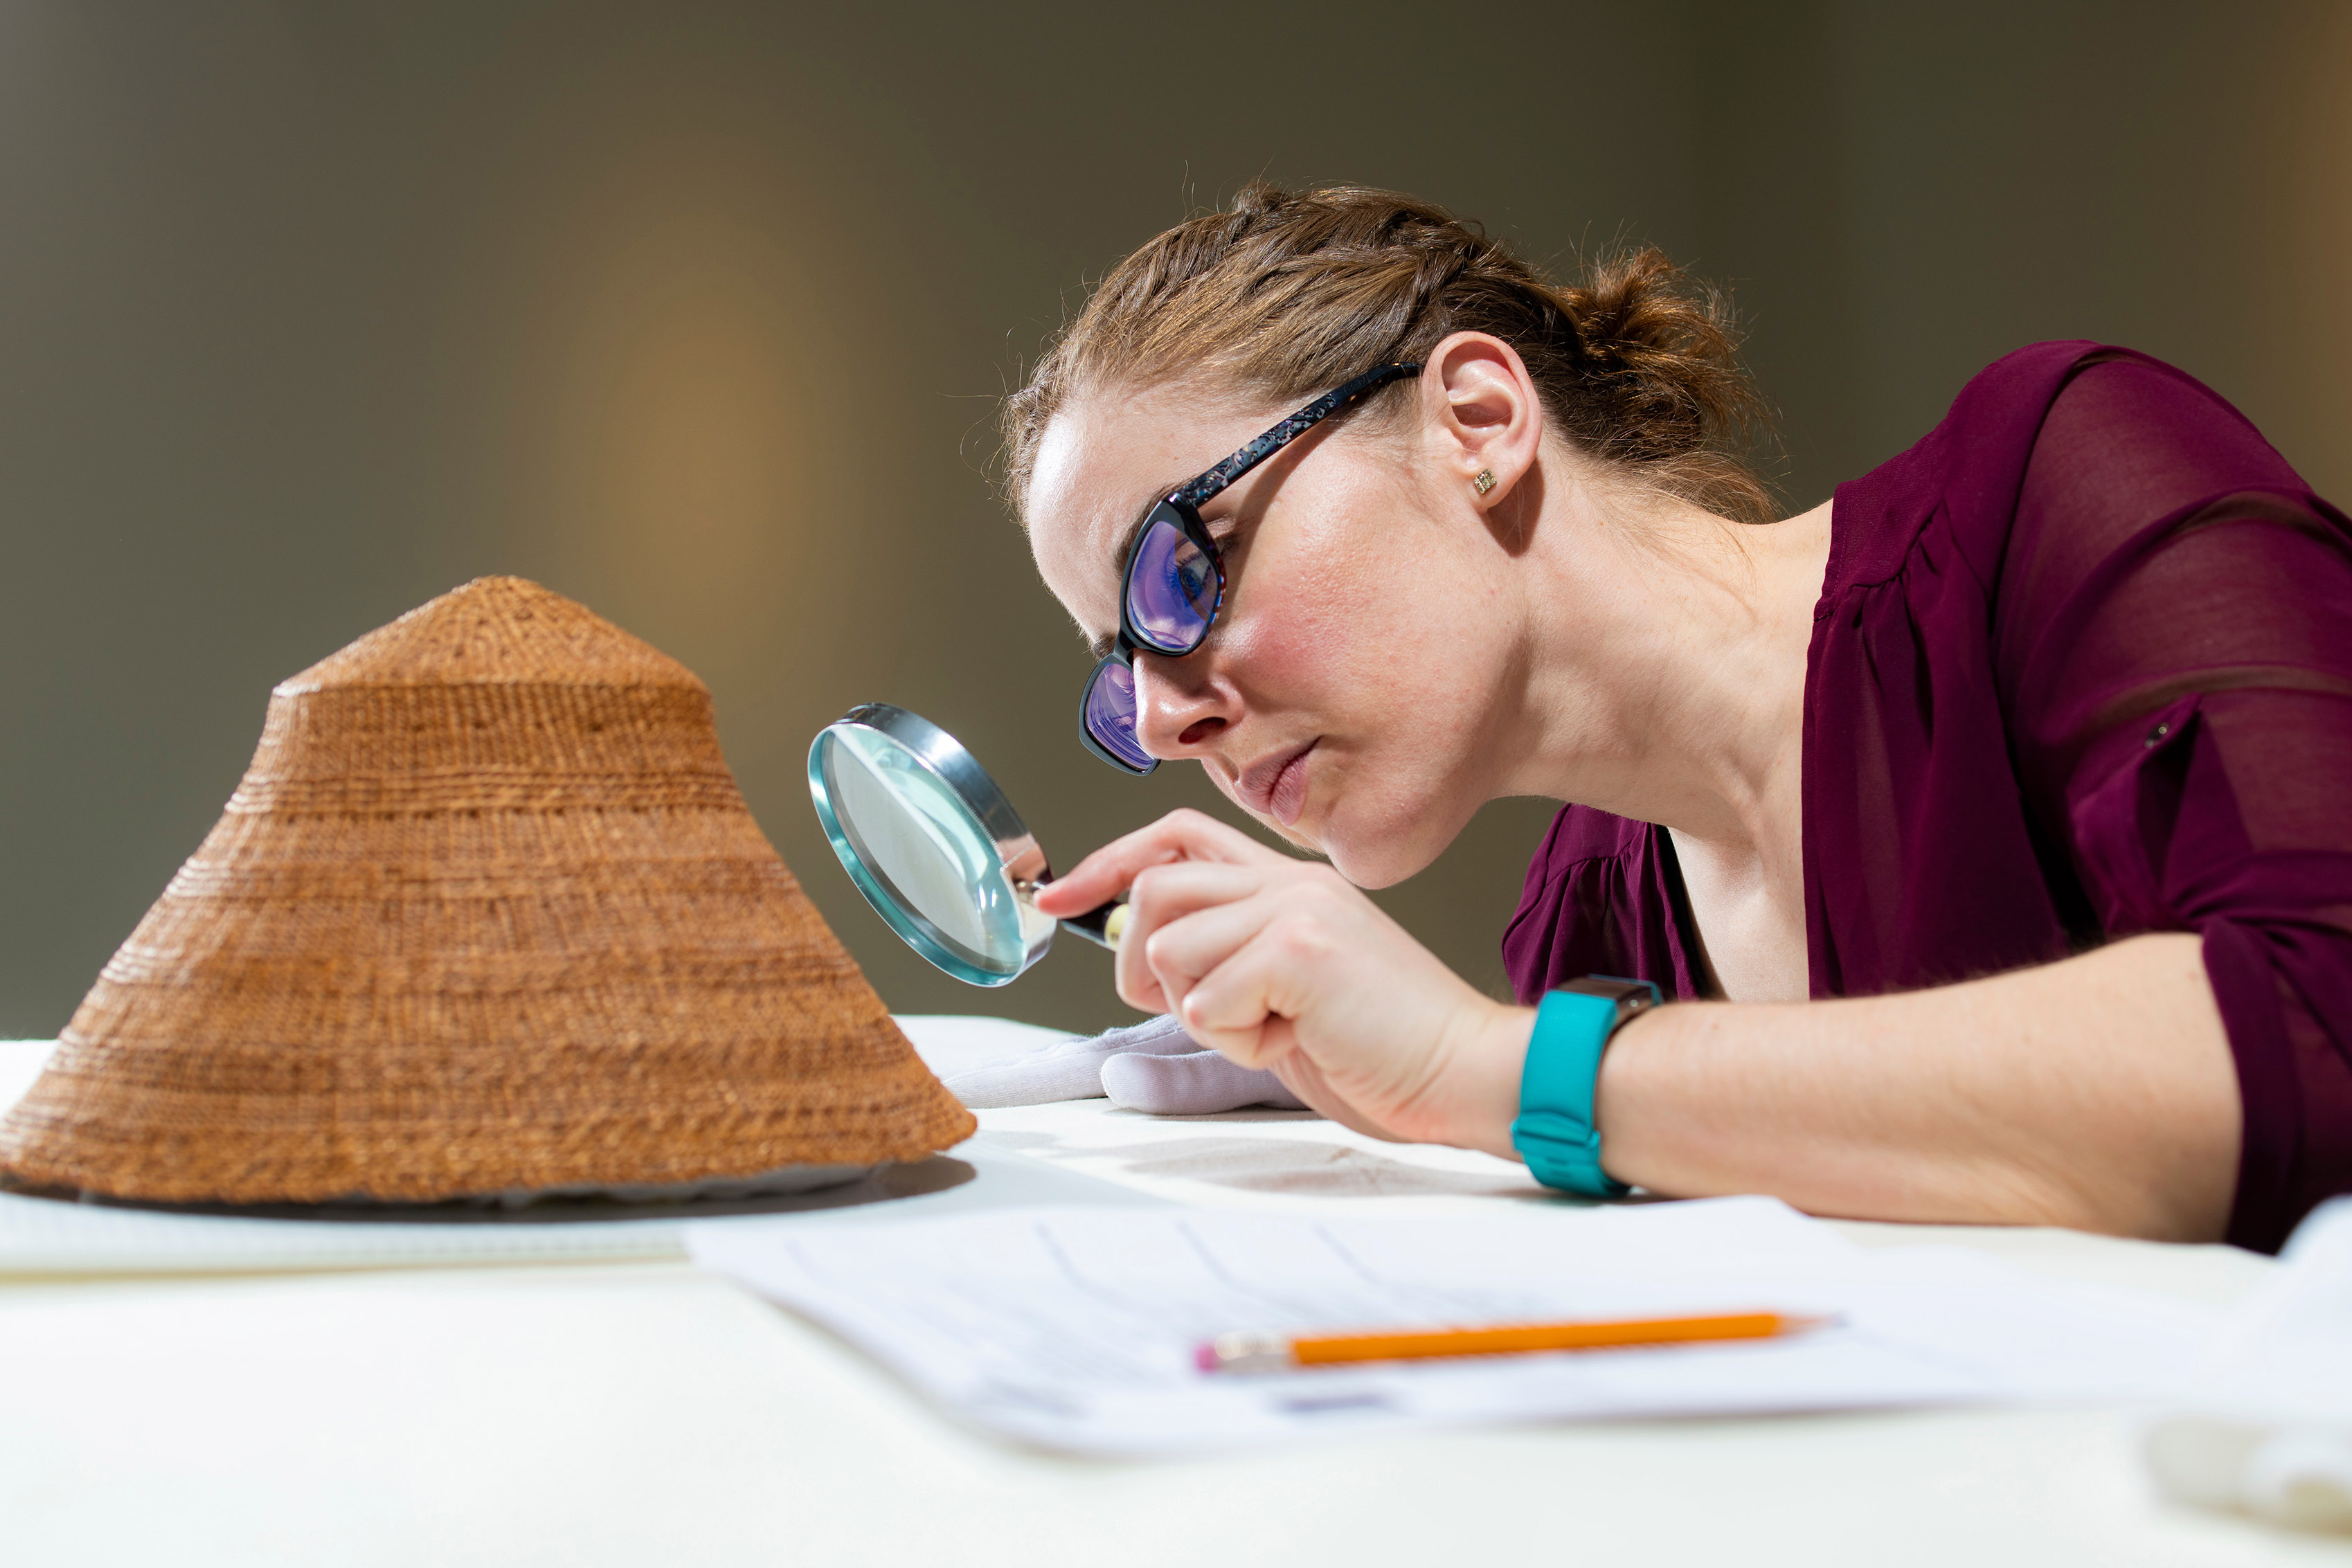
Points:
(1638, 994)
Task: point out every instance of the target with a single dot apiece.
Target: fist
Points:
(1280, 964)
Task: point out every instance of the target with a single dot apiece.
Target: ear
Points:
(1485, 415)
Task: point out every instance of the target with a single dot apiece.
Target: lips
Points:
(1277, 786)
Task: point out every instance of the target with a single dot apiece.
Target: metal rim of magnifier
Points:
(944, 758)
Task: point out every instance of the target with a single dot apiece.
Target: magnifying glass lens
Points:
(920, 855)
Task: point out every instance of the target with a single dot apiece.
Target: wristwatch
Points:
(1555, 1131)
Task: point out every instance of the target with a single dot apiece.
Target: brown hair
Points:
(1287, 295)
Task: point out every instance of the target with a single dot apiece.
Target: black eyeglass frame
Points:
(1182, 506)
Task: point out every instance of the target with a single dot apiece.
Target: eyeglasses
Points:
(1175, 581)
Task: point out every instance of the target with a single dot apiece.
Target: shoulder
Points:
(2127, 429)
(1590, 866)
(1580, 834)
(1597, 901)
(1972, 465)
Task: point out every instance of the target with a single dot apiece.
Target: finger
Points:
(1185, 835)
(1292, 1068)
(1229, 1006)
(1162, 894)
(1175, 954)
(1165, 893)
(1169, 894)
(1244, 1007)
(1180, 836)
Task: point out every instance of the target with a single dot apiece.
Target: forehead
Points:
(1104, 458)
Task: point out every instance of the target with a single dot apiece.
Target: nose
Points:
(1180, 706)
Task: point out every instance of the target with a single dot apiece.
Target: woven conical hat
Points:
(486, 916)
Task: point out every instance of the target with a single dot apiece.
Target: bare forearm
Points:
(2097, 1092)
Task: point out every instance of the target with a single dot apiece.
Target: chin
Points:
(1373, 872)
(1382, 855)
(1290, 836)
(1373, 850)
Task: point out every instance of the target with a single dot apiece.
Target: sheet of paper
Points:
(1076, 1329)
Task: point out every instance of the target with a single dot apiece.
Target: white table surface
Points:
(646, 1414)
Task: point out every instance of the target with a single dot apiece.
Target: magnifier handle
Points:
(1102, 927)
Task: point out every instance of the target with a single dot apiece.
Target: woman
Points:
(1985, 827)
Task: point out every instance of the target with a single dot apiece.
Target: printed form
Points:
(1077, 1328)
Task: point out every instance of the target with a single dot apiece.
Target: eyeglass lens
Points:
(1171, 589)
(1110, 715)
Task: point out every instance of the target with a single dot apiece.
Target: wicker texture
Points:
(488, 914)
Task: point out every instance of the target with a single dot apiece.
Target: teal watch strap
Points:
(1555, 1131)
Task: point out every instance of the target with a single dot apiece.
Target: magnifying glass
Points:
(935, 848)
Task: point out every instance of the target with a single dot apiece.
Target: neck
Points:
(1665, 658)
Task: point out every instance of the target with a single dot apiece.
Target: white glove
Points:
(2265, 1424)
(1154, 1067)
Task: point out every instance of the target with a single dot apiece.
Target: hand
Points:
(1153, 1066)
(1278, 962)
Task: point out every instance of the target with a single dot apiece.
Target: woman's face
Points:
(1352, 692)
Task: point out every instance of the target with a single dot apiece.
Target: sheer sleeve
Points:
(1604, 897)
(2173, 638)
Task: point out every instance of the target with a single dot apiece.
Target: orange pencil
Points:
(1278, 1353)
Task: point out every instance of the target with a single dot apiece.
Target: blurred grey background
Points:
(697, 313)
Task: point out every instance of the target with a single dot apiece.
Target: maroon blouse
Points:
(2082, 667)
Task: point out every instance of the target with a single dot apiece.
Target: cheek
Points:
(1339, 630)
(1297, 639)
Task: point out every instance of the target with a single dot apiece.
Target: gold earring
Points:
(1484, 481)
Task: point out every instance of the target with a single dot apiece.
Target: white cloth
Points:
(2268, 1431)
(1153, 1066)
